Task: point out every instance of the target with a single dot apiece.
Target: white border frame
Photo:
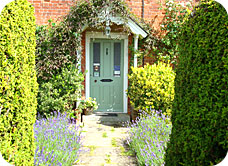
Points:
(100, 35)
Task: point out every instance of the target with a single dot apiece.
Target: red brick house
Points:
(106, 59)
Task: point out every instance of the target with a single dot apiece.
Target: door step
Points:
(107, 114)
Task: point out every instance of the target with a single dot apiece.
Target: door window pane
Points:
(96, 52)
(117, 57)
(96, 59)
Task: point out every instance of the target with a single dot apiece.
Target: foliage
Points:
(18, 84)
(54, 51)
(92, 13)
(163, 42)
(148, 137)
(61, 92)
(152, 87)
(88, 103)
(200, 109)
(57, 142)
(74, 115)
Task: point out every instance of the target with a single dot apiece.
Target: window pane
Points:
(96, 52)
(96, 59)
(117, 54)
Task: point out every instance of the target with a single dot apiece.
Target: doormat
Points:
(107, 114)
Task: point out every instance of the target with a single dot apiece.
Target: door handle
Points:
(106, 80)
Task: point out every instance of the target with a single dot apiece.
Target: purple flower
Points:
(149, 136)
(52, 136)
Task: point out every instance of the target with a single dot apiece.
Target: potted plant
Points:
(88, 105)
(75, 115)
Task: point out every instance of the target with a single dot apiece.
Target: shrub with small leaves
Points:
(18, 83)
(61, 92)
(200, 109)
(152, 87)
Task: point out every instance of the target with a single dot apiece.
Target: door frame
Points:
(100, 35)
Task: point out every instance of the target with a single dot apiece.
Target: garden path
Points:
(104, 141)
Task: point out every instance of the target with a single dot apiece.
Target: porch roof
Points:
(130, 23)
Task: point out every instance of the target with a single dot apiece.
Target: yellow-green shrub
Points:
(152, 87)
(18, 84)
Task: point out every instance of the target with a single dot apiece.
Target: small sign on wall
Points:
(117, 71)
(96, 69)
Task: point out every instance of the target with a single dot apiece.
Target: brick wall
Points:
(50, 9)
(83, 59)
(54, 9)
(150, 9)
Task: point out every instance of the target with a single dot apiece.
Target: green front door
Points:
(106, 76)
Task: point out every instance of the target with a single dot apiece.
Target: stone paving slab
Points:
(104, 140)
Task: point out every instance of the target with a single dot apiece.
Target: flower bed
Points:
(148, 137)
(57, 142)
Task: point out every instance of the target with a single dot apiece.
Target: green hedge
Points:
(200, 109)
(18, 84)
(152, 87)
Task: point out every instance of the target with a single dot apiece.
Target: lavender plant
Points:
(148, 137)
(57, 142)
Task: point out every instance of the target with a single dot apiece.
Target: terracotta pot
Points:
(78, 116)
(77, 113)
(87, 111)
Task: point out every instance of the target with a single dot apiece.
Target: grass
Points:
(83, 131)
(112, 129)
(91, 148)
(104, 135)
(125, 152)
(107, 159)
(114, 142)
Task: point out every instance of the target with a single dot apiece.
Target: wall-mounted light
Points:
(107, 30)
(107, 20)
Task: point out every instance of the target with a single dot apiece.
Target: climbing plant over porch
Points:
(59, 45)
